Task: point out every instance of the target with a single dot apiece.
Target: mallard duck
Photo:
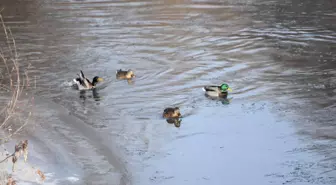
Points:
(217, 91)
(84, 84)
(120, 74)
(171, 112)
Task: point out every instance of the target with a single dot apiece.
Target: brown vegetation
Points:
(10, 181)
(41, 174)
(12, 83)
(12, 121)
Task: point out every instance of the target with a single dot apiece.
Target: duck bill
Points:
(229, 89)
(100, 79)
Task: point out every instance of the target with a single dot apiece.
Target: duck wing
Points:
(81, 75)
(79, 81)
(211, 88)
(83, 80)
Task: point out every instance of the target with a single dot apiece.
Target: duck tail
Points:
(203, 88)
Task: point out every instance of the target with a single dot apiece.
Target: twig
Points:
(26, 122)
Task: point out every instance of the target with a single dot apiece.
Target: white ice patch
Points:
(73, 179)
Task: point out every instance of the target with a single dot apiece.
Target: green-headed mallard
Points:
(171, 112)
(84, 84)
(120, 74)
(217, 91)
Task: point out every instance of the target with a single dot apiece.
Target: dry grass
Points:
(15, 83)
(13, 115)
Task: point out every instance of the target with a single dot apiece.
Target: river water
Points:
(279, 57)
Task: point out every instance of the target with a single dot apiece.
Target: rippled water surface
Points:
(279, 57)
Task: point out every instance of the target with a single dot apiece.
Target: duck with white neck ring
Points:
(217, 91)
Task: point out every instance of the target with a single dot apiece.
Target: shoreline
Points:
(24, 172)
(79, 147)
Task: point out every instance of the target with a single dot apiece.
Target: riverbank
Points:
(24, 172)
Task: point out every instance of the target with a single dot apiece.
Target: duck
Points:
(129, 74)
(84, 84)
(217, 91)
(171, 112)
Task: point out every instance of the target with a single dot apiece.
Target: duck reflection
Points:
(226, 101)
(223, 100)
(130, 82)
(95, 95)
(175, 121)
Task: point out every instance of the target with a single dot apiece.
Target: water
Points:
(277, 56)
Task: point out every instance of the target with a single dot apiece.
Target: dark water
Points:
(278, 56)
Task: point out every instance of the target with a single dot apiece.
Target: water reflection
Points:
(223, 100)
(95, 95)
(226, 101)
(175, 121)
(130, 82)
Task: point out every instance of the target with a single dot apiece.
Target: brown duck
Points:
(129, 74)
(171, 112)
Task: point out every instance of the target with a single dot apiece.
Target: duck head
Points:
(96, 80)
(177, 111)
(225, 88)
(130, 74)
